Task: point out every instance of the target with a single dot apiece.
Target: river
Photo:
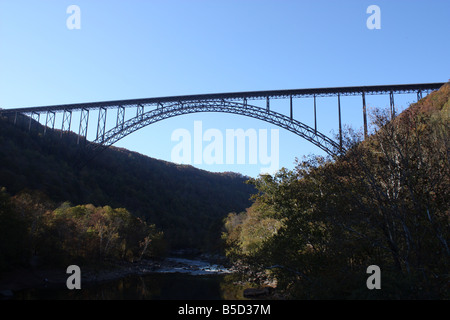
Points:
(184, 279)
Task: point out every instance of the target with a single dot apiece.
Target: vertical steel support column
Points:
(419, 95)
(245, 102)
(364, 114)
(139, 111)
(267, 104)
(391, 98)
(50, 118)
(67, 119)
(32, 118)
(120, 117)
(101, 123)
(24, 120)
(315, 115)
(84, 120)
(38, 117)
(290, 105)
(340, 124)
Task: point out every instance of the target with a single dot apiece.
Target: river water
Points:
(185, 280)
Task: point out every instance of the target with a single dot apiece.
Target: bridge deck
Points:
(234, 96)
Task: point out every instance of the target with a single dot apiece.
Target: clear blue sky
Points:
(137, 49)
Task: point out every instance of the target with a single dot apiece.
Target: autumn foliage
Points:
(36, 232)
(315, 230)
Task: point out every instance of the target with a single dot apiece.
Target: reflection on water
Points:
(156, 286)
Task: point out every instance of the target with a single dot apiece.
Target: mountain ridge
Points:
(185, 202)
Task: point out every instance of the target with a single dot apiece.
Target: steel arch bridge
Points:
(233, 103)
(142, 120)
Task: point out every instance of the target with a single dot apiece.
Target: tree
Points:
(385, 202)
(13, 234)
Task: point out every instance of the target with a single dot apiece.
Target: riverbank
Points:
(21, 279)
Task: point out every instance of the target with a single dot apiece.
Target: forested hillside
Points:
(36, 232)
(316, 229)
(185, 203)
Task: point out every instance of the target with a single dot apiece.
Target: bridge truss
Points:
(151, 110)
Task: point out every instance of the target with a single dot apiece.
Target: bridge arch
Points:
(180, 108)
